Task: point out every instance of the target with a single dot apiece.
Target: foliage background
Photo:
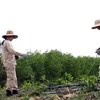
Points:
(52, 66)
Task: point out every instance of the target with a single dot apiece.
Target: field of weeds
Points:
(29, 94)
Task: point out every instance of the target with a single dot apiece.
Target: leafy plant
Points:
(27, 85)
(67, 78)
(90, 83)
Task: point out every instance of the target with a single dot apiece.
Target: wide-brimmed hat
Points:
(97, 24)
(10, 33)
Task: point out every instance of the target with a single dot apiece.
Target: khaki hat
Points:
(10, 33)
(97, 24)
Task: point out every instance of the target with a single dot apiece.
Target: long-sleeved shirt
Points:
(8, 53)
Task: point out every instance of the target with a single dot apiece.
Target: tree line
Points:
(52, 65)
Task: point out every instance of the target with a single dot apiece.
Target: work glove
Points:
(16, 57)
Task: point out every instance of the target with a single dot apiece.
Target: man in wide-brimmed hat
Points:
(9, 62)
(97, 24)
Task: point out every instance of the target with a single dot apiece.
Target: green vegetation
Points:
(39, 70)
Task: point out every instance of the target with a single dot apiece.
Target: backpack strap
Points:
(2, 42)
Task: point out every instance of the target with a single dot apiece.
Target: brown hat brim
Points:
(14, 36)
(96, 26)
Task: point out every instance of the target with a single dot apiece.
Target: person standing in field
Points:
(9, 62)
(97, 26)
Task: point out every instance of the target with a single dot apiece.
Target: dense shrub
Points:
(53, 65)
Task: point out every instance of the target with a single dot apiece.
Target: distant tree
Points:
(69, 65)
(36, 61)
(53, 64)
(88, 65)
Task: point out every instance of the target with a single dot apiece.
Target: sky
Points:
(43, 25)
